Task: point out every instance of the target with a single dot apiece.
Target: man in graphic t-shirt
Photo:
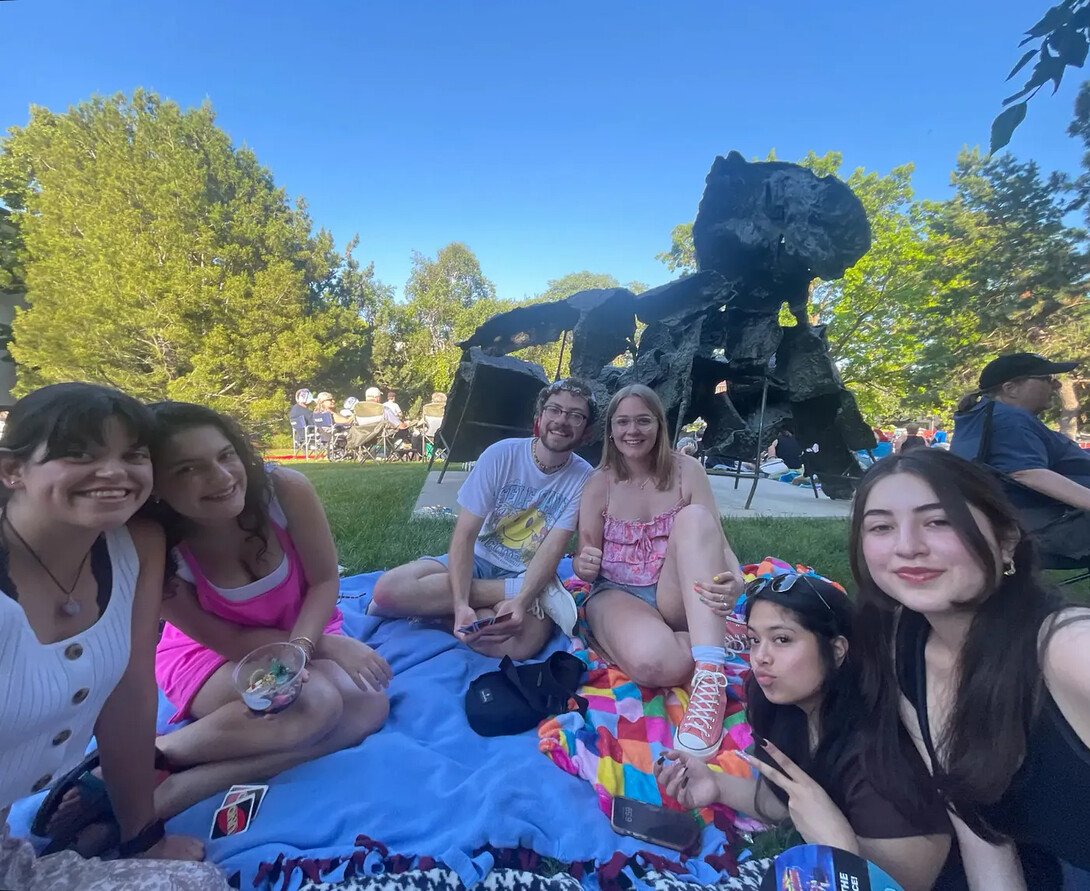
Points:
(519, 507)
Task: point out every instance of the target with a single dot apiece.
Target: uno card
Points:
(236, 793)
(233, 819)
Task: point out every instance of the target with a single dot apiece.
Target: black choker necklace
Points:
(67, 607)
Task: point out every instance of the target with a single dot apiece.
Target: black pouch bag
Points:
(517, 698)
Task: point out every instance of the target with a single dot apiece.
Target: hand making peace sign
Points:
(816, 817)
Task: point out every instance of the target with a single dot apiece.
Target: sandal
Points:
(95, 806)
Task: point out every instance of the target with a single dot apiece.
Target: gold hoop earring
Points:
(1008, 568)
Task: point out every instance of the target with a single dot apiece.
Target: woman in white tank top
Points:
(79, 609)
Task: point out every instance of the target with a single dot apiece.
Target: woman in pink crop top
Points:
(663, 577)
(256, 564)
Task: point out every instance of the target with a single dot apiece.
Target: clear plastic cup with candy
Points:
(269, 679)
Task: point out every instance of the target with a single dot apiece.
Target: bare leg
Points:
(226, 729)
(361, 715)
(422, 588)
(534, 634)
(637, 638)
(694, 554)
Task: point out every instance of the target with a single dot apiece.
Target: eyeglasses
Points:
(642, 423)
(782, 583)
(1041, 377)
(554, 413)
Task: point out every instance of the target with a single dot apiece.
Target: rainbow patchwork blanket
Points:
(626, 726)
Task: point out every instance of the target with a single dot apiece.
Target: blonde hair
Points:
(662, 457)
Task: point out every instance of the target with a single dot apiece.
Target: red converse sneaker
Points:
(701, 729)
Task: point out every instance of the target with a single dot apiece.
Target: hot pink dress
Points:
(182, 665)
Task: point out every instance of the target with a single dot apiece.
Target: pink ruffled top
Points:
(633, 551)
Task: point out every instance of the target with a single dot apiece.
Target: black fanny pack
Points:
(517, 698)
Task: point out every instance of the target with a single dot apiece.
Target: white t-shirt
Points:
(520, 504)
(392, 412)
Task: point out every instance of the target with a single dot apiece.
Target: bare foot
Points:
(175, 847)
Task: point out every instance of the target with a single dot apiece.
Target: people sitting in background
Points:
(324, 409)
(300, 415)
(254, 564)
(998, 424)
(911, 439)
(393, 410)
(519, 507)
(439, 398)
(372, 394)
(805, 704)
(941, 440)
(79, 617)
(663, 577)
(347, 415)
(787, 449)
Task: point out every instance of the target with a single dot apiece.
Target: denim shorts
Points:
(482, 569)
(646, 593)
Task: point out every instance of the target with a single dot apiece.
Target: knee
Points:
(322, 710)
(388, 590)
(659, 669)
(363, 715)
(695, 519)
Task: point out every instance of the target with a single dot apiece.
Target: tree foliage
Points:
(446, 298)
(1062, 41)
(1009, 273)
(167, 263)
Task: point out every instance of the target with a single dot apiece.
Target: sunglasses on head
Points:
(783, 583)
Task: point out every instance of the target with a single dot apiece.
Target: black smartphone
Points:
(678, 830)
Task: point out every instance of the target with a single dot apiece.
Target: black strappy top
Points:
(1046, 808)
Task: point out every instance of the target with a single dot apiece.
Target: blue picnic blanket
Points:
(425, 785)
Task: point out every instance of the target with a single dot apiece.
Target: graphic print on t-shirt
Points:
(519, 523)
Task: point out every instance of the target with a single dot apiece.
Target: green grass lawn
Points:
(369, 508)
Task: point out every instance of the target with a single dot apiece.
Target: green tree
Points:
(165, 261)
(1010, 274)
(446, 298)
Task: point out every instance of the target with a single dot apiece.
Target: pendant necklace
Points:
(543, 468)
(67, 607)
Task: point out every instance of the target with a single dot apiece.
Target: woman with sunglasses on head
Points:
(990, 673)
(663, 577)
(815, 759)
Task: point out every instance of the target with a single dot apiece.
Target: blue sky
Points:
(553, 136)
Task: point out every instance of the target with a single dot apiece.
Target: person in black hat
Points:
(998, 425)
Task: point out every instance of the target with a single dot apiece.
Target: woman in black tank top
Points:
(990, 675)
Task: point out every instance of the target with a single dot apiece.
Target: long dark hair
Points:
(999, 673)
(172, 418)
(845, 729)
(66, 418)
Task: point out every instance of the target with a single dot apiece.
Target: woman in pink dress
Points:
(255, 563)
(663, 577)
